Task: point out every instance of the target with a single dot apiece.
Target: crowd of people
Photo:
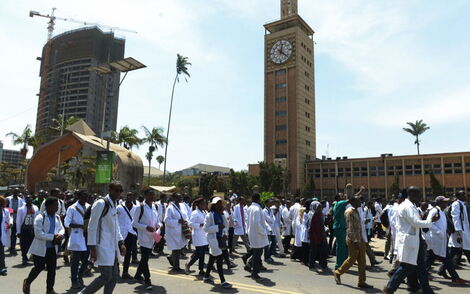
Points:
(106, 234)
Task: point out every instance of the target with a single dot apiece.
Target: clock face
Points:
(281, 51)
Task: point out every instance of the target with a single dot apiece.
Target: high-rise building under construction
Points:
(68, 85)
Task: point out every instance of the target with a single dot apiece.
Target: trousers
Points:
(26, 239)
(131, 244)
(78, 265)
(108, 279)
(199, 254)
(341, 247)
(143, 267)
(355, 254)
(210, 265)
(49, 261)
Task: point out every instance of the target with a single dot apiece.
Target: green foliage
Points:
(273, 178)
(10, 174)
(182, 67)
(394, 187)
(266, 195)
(309, 189)
(160, 160)
(189, 182)
(127, 138)
(242, 183)
(436, 187)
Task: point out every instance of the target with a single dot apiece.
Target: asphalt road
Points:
(282, 277)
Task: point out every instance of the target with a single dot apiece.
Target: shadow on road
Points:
(156, 289)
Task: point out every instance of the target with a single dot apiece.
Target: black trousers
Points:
(304, 253)
(13, 238)
(131, 244)
(199, 254)
(286, 243)
(318, 252)
(144, 263)
(26, 239)
(231, 245)
(454, 252)
(210, 265)
(50, 263)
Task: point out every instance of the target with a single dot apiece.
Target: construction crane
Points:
(52, 18)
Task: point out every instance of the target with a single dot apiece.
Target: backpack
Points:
(141, 211)
(384, 218)
(450, 222)
(87, 215)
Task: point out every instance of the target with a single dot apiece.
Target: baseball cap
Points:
(441, 199)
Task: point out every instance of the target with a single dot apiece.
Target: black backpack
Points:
(450, 222)
(87, 214)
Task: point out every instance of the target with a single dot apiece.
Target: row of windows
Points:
(281, 72)
(281, 85)
(281, 99)
(306, 61)
(281, 155)
(307, 74)
(306, 48)
(307, 115)
(281, 113)
(281, 142)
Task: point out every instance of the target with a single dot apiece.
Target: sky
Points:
(378, 65)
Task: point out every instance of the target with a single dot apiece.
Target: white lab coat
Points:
(293, 211)
(460, 225)
(269, 219)
(125, 217)
(197, 219)
(436, 237)
(362, 216)
(298, 231)
(239, 225)
(61, 211)
(21, 215)
(286, 222)
(211, 230)
(409, 225)
(41, 234)
(186, 210)
(378, 211)
(77, 240)
(7, 220)
(256, 227)
(149, 219)
(173, 230)
(161, 208)
(103, 232)
(10, 205)
(304, 234)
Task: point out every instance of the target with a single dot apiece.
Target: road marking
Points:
(238, 285)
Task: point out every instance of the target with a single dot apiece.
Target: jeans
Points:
(458, 252)
(256, 260)
(78, 265)
(210, 265)
(143, 267)
(413, 272)
(26, 239)
(131, 244)
(108, 279)
(270, 249)
(318, 252)
(199, 254)
(49, 261)
(355, 254)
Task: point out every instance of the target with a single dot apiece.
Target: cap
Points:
(441, 199)
(215, 200)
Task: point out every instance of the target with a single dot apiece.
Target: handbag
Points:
(184, 227)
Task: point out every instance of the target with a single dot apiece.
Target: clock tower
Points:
(289, 94)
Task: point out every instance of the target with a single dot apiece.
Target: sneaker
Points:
(256, 277)
(365, 286)
(76, 285)
(187, 269)
(148, 286)
(26, 287)
(3, 272)
(337, 279)
(226, 285)
(385, 290)
(459, 281)
(138, 278)
(209, 280)
(269, 260)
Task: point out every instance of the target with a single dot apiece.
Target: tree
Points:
(309, 189)
(436, 187)
(156, 139)
(58, 124)
(160, 160)
(395, 186)
(149, 156)
(273, 178)
(181, 69)
(416, 129)
(24, 138)
(126, 137)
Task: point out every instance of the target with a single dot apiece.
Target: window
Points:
(307, 88)
(307, 114)
(281, 155)
(307, 101)
(281, 127)
(280, 86)
(281, 72)
(281, 142)
(307, 129)
(307, 142)
(281, 113)
(281, 99)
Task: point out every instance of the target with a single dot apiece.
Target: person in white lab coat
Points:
(257, 234)
(5, 224)
(296, 253)
(460, 239)
(74, 221)
(286, 226)
(161, 207)
(125, 216)
(174, 221)
(105, 241)
(199, 238)
(239, 220)
(146, 222)
(410, 246)
(25, 226)
(48, 233)
(270, 249)
(436, 239)
(15, 202)
(277, 217)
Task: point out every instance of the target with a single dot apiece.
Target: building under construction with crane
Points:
(68, 86)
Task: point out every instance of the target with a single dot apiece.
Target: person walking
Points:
(25, 226)
(5, 225)
(126, 212)
(239, 220)
(174, 221)
(146, 222)
(74, 222)
(105, 241)
(214, 226)
(356, 245)
(196, 222)
(460, 238)
(15, 202)
(410, 246)
(270, 249)
(161, 207)
(286, 226)
(48, 233)
(339, 227)
(317, 236)
(257, 235)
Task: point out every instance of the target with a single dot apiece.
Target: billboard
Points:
(104, 167)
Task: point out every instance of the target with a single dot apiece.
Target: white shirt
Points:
(269, 219)
(125, 217)
(436, 237)
(256, 227)
(239, 223)
(461, 225)
(378, 212)
(173, 229)
(74, 215)
(149, 219)
(287, 222)
(197, 219)
(362, 216)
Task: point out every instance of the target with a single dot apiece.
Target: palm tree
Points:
(36, 141)
(160, 160)
(149, 156)
(126, 137)
(24, 139)
(58, 124)
(181, 69)
(416, 129)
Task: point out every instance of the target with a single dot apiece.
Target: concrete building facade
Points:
(289, 93)
(69, 87)
(13, 157)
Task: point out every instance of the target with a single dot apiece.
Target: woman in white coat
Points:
(174, 220)
(196, 222)
(304, 234)
(48, 233)
(214, 226)
(297, 226)
(5, 224)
